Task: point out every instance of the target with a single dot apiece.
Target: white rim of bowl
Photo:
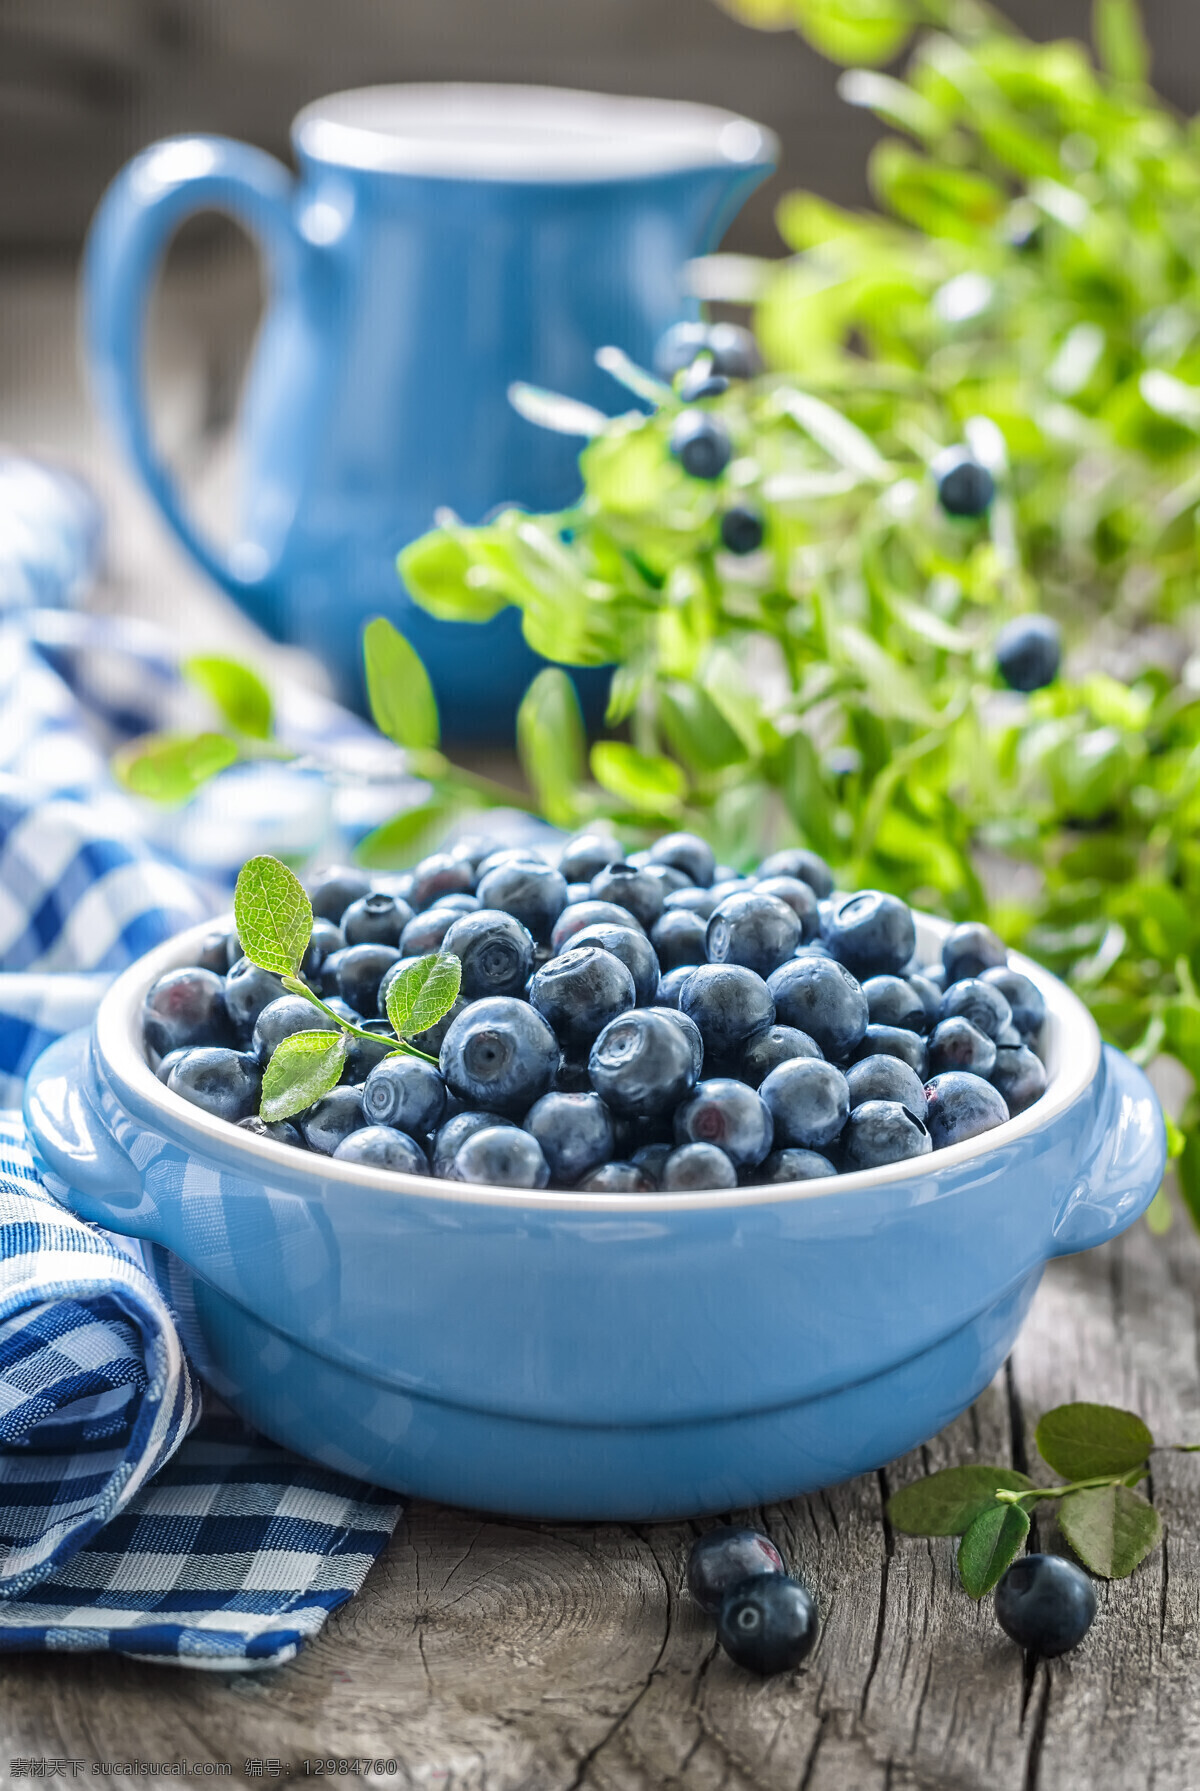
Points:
(1071, 1039)
(541, 135)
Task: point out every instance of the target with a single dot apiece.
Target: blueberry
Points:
(892, 1001)
(955, 1044)
(964, 486)
(506, 855)
(631, 889)
(1045, 1604)
(1029, 652)
(473, 848)
(642, 1062)
(799, 897)
(214, 953)
(503, 1156)
(929, 994)
(575, 1132)
(729, 1004)
(630, 944)
(323, 941)
(679, 938)
(767, 1624)
(742, 529)
(882, 1132)
(454, 1134)
(248, 990)
(332, 1119)
(1020, 1075)
(935, 974)
(495, 950)
(383, 1147)
(167, 1064)
(808, 1100)
(688, 853)
(617, 1178)
(893, 1041)
(1023, 997)
(669, 985)
(332, 891)
(882, 1078)
(688, 1028)
(757, 931)
(426, 931)
(650, 1159)
(361, 969)
(375, 920)
(670, 879)
(727, 886)
(580, 991)
(579, 915)
(695, 1168)
(327, 976)
(727, 1113)
(723, 1558)
(404, 1093)
(587, 853)
(576, 893)
(970, 949)
(280, 1131)
(961, 1106)
(871, 933)
(734, 351)
(771, 1047)
(679, 347)
(279, 1020)
(500, 1054)
(797, 861)
(223, 1082)
(701, 443)
(534, 894)
(362, 1057)
(820, 997)
(186, 1008)
(700, 902)
(439, 875)
(794, 1165)
(981, 1003)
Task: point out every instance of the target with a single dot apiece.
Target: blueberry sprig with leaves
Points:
(1101, 1451)
(274, 920)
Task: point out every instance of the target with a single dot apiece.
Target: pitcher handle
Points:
(142, 208)
(1121, 1178)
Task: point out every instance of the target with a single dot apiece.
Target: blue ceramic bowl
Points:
(587, 1356)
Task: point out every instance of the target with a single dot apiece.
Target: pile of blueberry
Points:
(624, 1025)
(766, 1621)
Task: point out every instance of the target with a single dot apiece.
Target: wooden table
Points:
(505, 1656)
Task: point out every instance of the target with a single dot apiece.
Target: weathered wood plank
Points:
(490, 1655)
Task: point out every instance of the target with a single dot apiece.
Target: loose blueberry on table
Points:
(766, 1621)
(656, 1023)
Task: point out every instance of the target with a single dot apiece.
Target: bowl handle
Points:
(1126, 1169)
(81, 1162)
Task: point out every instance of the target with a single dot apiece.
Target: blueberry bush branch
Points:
(274, 919)
(1104, 1454)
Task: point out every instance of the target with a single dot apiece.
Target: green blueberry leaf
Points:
(1082, 1441)
(1111, 1528)
(423, 992)
(240, 694)
(302, 1069)
(1121, 40)
(406, 836)
(947, 1503)
(398, 689)
(273, 915)
(170, 768)
(871, 31)
(551, 743)
(650, 784)
(989, 1546)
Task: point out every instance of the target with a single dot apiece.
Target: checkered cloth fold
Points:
(128, 1521)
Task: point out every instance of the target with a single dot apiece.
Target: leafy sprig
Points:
(1103, 1454)
(274, 919)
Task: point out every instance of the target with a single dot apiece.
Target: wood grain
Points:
(490, 1655)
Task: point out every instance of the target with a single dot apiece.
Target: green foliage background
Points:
(1029, 284)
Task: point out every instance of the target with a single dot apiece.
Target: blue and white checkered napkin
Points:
(128, 1522)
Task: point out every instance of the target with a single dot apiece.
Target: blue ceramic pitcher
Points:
(440, 242)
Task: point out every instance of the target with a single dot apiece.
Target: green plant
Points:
(1101, 1451)
(1032, 287)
